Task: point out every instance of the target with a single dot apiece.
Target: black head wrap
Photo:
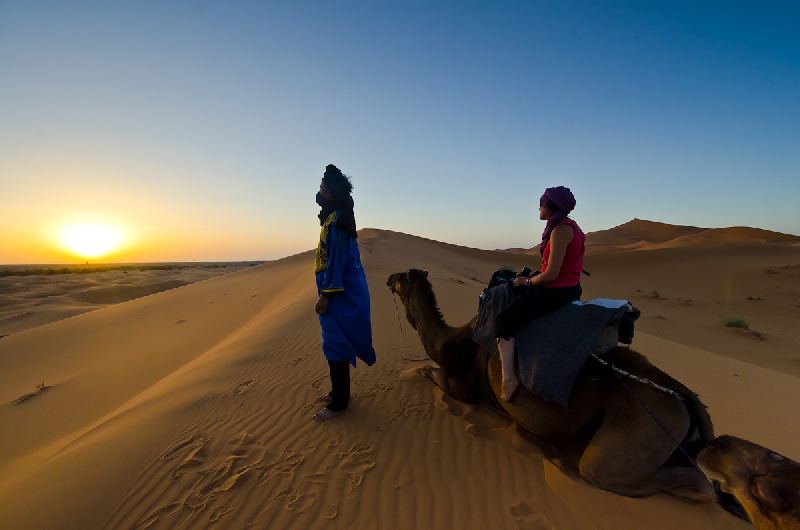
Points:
(340, 187)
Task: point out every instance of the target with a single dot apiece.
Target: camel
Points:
(764, 482)
(626, 452)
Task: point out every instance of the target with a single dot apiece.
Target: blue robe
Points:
(346, 328)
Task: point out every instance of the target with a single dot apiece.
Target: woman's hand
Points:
(519, 281)
(322, 305)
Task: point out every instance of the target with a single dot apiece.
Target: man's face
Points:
(325, 192)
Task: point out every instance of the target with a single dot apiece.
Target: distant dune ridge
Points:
(640, 234)
(191, 407)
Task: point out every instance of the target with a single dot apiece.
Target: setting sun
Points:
(90, 240)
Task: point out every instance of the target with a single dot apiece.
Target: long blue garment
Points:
(346, 328)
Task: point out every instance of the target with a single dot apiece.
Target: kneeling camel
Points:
(626, 451)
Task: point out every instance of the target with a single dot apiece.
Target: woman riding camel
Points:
(556, 284)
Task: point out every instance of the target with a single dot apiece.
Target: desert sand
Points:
(29, 301)
(192, 407)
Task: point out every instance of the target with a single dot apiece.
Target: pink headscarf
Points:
(561, 201)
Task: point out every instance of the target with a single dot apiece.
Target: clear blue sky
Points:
(207, 125)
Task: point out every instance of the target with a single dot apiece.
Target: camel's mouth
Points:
(391, 283)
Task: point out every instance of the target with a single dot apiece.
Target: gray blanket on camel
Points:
(551, 349)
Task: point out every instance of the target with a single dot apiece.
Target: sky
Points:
(201, 130)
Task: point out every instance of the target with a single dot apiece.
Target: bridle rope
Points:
(402, 342)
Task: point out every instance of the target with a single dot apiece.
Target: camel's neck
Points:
(430, 324)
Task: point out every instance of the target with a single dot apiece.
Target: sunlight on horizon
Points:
(90, 240)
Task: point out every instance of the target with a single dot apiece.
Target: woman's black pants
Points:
(340, 381)
(533, 302)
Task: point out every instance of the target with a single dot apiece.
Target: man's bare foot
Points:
(325, 398)
(326, 414)
(510, 386)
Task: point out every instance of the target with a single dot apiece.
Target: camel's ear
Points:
(426, 273)
(776, 491)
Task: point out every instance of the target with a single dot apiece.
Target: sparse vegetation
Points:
(655, 294)
(737, 323)
(41, 387)
(741, 326)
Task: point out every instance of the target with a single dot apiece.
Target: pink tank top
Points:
(570, 273)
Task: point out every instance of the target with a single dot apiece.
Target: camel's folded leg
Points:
(454, 388)
(627, 453)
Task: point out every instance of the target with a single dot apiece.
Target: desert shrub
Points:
(738, 323)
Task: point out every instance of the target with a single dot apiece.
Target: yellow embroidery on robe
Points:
(321, 260)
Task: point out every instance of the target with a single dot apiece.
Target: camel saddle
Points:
(552, 349)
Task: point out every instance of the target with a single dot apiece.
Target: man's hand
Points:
(322, 305)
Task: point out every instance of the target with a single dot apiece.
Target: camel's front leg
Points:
(451, 386)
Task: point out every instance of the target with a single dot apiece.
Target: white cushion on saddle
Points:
(607, 302)
(606, 340)
(609, 337)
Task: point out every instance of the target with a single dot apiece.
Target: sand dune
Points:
(123, 293)
(638, 230)
(716, 236)
(27, 302)
(191, 407)
(640, 234)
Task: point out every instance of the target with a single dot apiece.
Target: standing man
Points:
(343, 304)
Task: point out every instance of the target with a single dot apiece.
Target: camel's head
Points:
(405, 284)
(765, 482)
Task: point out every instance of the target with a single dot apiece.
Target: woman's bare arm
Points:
(560, 238)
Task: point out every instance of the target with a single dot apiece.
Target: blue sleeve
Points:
(338, 245)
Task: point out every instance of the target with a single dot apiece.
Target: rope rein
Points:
(402, 342)
(617, 371)
(639, 379)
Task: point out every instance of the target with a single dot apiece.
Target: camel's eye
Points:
(775, 456)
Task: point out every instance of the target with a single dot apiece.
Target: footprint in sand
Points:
(285, 466)
(529, 518)
(317, 383)
(379, 387)
(407, 408)
(355, 462)
(208, 471)
(192, 452)
(226, 471)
